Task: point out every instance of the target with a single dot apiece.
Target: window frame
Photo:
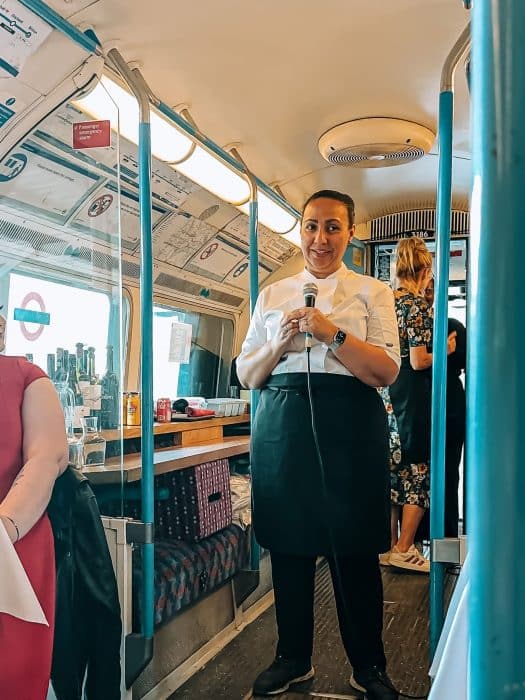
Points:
(26, 270)
(176, 304)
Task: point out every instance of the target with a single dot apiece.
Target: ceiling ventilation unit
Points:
(376, 142)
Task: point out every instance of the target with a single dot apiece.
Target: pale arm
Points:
(257, 366)
(420, 358)
(44, 454)
(260, 356)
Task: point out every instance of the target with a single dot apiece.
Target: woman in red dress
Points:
(33, 453)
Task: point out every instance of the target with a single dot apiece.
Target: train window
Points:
(207, 372)
(68, 315)
(385, 264)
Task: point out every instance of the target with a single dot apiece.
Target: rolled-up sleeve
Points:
(382, 323)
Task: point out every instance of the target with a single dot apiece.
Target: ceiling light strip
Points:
(216, 150)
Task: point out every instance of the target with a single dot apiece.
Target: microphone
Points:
(309, 292)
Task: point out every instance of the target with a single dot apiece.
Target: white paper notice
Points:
(21, 34)
(17, 597)
(180, 343)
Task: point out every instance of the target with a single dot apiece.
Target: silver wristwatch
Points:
(338, 339)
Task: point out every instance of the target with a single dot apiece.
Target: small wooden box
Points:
(199, 502)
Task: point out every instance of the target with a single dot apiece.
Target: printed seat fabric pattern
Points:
(185, 572)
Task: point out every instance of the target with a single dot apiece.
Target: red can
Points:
(163, 410)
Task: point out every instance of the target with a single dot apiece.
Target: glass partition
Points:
(60, 280)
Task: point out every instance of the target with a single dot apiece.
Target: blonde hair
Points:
(412, 256)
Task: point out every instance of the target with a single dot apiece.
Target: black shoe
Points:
(375, 683)
(281, 675)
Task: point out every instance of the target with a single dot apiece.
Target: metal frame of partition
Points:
(439, 362)
(496, 384)
(254, 221)
(139, 648)
(253, 262)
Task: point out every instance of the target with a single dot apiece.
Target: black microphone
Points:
(309, 292)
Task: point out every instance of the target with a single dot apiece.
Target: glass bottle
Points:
(65, 361)
(84, 380)
(79, 352)
(95, 388)
(72, 379)
(91, 365)
(110, 394)
(94, 444)
(51, 366)
(61, 367)
(67, 401)
(85, 362)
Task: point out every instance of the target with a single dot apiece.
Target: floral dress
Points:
(407, 403)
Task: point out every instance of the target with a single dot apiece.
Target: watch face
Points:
(339, 337)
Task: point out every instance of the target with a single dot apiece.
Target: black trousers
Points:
(358, 592)
(455, 439)
(454, 447)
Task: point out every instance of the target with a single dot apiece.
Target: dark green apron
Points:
(298, 509)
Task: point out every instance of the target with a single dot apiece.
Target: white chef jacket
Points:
(358, 304)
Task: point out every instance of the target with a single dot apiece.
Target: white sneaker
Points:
(384, 559)
(411, 560)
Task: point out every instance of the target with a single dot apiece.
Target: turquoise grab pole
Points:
(146, 318)
(146, 347)
(496, 379)
(254, 292)
(439, 363)
(254, 256)
(253, 259)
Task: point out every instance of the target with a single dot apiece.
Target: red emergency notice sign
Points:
(92, 134)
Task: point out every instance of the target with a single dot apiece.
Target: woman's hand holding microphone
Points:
(304, 320)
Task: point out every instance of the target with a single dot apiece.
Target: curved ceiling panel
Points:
(274, 76)
(196, 236)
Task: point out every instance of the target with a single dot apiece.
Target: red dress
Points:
(26, 648)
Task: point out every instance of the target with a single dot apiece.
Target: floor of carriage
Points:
(230, 674)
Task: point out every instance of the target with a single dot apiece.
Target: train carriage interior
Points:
(154, 162)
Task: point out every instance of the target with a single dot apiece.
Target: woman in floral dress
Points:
(410, 398)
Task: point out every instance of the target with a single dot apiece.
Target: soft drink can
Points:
(163, 410)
